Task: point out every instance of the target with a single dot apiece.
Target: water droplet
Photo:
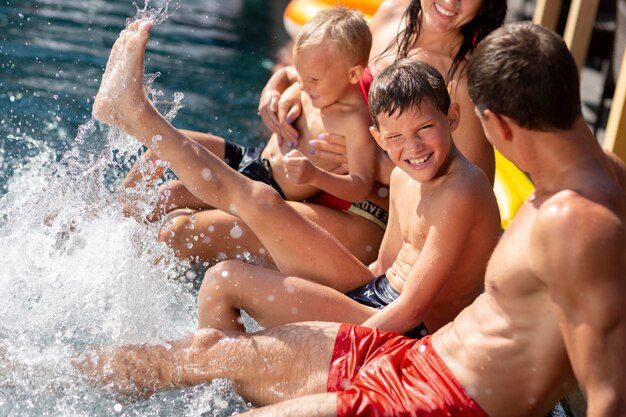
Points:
(206, 174)
(118, 408)
(271, 298)
(189, 245)
(383, 192)
(236, 232)
(422, 349)
(369, 248)
(211, 229)
(225, 274)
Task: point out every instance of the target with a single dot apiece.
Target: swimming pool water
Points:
(75, 271)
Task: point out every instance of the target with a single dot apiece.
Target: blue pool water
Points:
(75, 271)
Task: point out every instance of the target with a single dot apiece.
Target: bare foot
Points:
(132, 370)
(121, 97)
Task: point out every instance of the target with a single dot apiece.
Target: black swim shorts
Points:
(378, 293)
(248, 161)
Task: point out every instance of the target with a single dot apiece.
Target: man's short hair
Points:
(525, 72)
(344, 28)
(405, 85)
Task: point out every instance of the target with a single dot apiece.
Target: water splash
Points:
(154, 15)
(78, 272)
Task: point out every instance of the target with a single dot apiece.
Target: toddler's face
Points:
(323, 75)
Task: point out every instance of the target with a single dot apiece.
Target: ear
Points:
(500, 125)
(454, 116)
(379, 138)
(355, 73)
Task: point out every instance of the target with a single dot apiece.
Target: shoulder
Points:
(350, 118)
(465, 193)
(389, 10)
(573, 230)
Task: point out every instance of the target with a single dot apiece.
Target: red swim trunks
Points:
(385, 374)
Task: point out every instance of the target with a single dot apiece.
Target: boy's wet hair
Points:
(525, 72)
(405, 85)
(346, 29)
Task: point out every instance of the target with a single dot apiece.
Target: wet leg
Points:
(266, 367)
(302, 248)
(271, 298)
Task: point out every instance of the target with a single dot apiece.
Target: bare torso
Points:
(465, 281)
(506, 349)
(311, 123)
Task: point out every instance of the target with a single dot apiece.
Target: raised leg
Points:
(266, 367)
(298, 246)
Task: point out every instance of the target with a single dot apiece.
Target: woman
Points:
(443, 33)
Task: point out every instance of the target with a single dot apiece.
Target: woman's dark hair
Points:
(490, 16)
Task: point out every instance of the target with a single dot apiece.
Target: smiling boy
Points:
(443, 225)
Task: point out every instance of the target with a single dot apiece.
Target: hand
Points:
(331, 147)
(268, 108)
(298, 168)
(289, 109)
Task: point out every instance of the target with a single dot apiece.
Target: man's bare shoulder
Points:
(573, 229)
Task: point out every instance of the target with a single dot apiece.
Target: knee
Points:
(265, 197)
(220, 282)
(175, 231)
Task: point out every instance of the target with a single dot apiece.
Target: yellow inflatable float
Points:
(511, 185)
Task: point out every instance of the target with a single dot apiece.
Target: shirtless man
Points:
(553, 307)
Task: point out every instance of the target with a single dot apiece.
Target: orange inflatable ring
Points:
(298, 12)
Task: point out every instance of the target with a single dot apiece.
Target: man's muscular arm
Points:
(580, 246)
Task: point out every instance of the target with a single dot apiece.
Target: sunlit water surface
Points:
(75, 271)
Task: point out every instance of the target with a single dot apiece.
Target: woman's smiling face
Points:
(448, 15)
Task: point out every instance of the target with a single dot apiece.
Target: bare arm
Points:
(438, 260)
(580, 247)
(361, 152)
(469, 136)
(392, 240)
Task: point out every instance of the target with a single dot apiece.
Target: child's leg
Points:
(214, 234)
(298, 246)
(210, 235)
(272, 298)
(148, 169)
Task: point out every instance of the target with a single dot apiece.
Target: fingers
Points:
(330, 147)
(268, 108)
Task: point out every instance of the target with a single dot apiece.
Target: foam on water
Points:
(77, 272)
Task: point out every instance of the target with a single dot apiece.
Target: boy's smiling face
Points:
(418, 140)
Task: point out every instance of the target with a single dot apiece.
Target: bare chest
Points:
(509, 271)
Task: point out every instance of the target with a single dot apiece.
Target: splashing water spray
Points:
(81, 273)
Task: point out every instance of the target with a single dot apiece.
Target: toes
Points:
(139, 37)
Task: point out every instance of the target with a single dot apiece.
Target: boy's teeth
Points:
(419, 161)
(443, 11)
